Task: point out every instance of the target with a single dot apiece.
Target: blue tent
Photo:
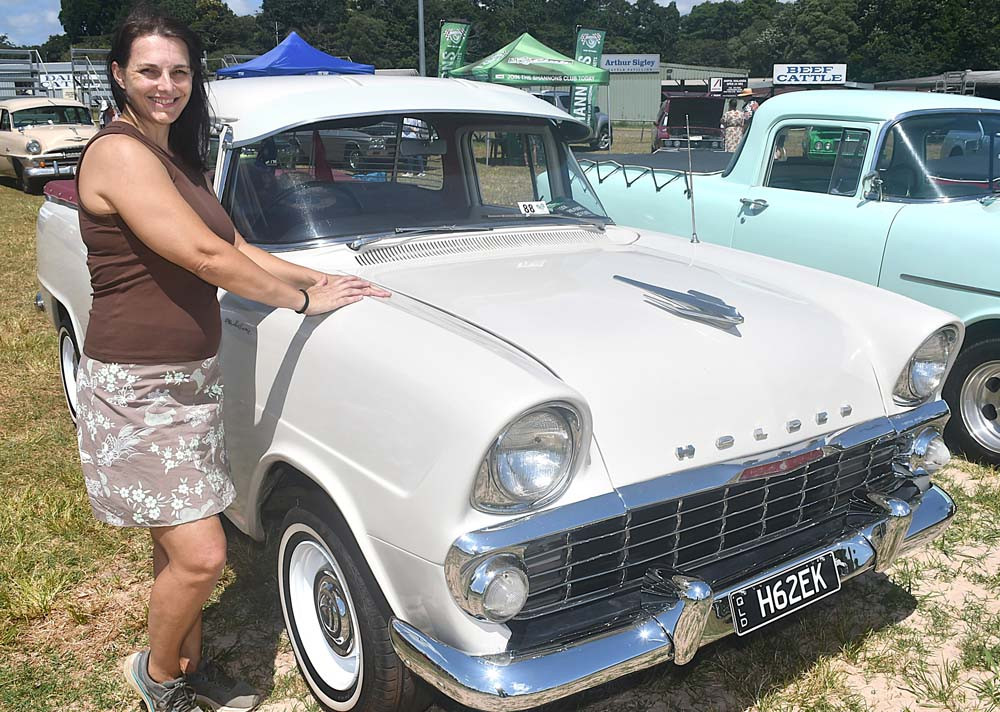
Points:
(294, 56)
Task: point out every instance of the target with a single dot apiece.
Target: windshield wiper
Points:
(412, 232)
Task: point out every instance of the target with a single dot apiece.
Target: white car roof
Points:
(260, 106)
(865, 104)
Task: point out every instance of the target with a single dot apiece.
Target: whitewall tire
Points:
(337, 620)
(69, 363)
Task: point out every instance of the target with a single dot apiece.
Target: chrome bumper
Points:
(57, 168)
(695, 617)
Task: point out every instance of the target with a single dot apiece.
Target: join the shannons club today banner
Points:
(454, 38)
(589, 47)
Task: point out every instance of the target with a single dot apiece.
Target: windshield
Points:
(941, 155)
(390, 174)
(40, 115)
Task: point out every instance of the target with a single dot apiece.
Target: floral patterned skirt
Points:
(152, 443)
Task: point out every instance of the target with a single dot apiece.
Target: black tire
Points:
(383, 683)
(353, 157)
(603, 140)
(69, 360)
(971, 415)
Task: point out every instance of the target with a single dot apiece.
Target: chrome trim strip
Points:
(506, 681)
(60, 201)
(949, 285)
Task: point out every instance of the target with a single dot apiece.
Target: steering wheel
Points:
(313, 184)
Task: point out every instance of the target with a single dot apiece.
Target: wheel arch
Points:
(62, 315)
(285, 484)
(987, 328)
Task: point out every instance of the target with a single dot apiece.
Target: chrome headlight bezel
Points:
(33, 147)
(908, 391)
(490, 496)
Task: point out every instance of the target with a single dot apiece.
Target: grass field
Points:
(72, 592)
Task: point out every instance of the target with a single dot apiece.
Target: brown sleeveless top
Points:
(147, 309)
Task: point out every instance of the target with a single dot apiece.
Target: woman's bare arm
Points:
(122, 176)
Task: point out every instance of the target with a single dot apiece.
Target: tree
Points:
(5, 42)
(88, 18)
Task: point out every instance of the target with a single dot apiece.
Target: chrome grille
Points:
(600, 559)
(69, 152)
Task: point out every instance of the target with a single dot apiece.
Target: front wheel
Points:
(69, 363)
(337, 621)
(973, 394)
(603, 140)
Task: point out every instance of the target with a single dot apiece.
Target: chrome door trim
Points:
(948, 285)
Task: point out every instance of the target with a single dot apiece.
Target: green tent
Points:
(527, 62)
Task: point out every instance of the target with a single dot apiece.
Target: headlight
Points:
(33, 146)
(818, 146)
(925, 372)
(531, 462)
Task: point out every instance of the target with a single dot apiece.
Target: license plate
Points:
(695, 138)
(784, 593)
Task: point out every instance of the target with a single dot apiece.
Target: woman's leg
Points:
(195, 555)
(191, 645)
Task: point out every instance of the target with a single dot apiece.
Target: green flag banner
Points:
(589, 47)
(454, 38)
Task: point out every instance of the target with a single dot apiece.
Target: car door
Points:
(6, 144)
(807, 206)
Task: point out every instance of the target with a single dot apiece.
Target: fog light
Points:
(928, 454)
(498, 588)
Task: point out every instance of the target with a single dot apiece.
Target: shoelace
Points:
(180, 698)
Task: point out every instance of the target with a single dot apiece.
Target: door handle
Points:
(757, 204)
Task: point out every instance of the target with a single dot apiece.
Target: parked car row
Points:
(565, 449)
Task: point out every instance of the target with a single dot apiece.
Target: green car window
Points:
(817, 159)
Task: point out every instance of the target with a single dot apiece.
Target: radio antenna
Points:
(694, 228)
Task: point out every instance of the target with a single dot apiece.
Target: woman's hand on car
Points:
(333, 291)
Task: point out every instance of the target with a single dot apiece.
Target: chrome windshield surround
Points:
(515, 535)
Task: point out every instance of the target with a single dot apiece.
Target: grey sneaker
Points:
(215, 689)
(169, 696)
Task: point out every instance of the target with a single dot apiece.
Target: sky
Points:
(29, 22)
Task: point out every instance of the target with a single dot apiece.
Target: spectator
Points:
(732, 123)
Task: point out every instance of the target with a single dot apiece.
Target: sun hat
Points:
(746, 91)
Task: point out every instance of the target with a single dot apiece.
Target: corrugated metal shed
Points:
(636, 97)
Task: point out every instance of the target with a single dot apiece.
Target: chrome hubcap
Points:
(333, 612)
(69, 362)
(324, 614)
(980, 405)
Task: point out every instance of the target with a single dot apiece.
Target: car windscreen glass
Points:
(57, 115)
(515, 166)
(941, 155)
(343, 180)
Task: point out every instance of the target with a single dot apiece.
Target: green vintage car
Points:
(897, 189)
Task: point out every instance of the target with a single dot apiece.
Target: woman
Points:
(732, 122)
(151, 435)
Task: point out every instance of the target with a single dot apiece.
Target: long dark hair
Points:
(189, 133)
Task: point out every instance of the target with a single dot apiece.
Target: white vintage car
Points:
(41, 138)
(563, 450)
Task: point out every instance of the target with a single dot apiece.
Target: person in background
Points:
(732, 124)
(149, 386)
(750, 106)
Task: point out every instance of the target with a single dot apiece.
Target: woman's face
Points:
(157, 80)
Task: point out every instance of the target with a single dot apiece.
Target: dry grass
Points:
(72, 592)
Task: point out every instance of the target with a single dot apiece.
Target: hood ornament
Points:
(690, 304)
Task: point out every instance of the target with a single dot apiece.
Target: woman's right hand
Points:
(335, 291)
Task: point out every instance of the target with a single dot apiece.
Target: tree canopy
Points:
(878, 39)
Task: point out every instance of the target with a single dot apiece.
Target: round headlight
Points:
(33, 146)
(531, 461)
(927, 368)
(818, 146)
(497, 588)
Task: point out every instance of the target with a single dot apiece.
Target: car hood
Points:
(656, 381)
(58, 138)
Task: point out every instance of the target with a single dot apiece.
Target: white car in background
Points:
(41, 139)
(563, 450)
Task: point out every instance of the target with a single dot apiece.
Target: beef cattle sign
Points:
(810, 74)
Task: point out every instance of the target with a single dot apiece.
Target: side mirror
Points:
(871, 186)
